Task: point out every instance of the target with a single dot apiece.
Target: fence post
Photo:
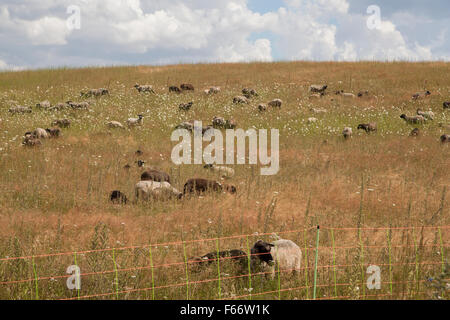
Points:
(35, 279)
(315, 267)
(334, 262)
(218, 268)
(390, 259)
(187, 273)
(151, 266)
(249, 269)
(116, 279)
(75, 259)
(306, 268)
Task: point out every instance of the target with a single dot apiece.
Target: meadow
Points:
(379, 199)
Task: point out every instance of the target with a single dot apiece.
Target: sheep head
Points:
(261, 250)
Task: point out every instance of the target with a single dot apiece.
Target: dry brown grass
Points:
(52, 197)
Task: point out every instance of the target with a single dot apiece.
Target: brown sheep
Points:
(187, 87)
(174, 89)
(413, 120)
(199, 185)
(155, 175)
(368, 127)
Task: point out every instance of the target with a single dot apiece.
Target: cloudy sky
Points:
(56, 33)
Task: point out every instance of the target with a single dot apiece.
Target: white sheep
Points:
(114, 125)
(132, 122)
(146, 190)
(224, 172)
(347, 132)
(286, 254)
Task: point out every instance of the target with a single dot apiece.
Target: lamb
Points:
(276, 103)
(318, 88)
(43, 105)
(174, 89)
(445, 138)
(212, 90)
(114, 125)
(78, 105)
(249, 93)
(187, 87)
(446, 105)
(285, 253)
(118, 197)
(20, 109)
(415, 132)
(419, 95)
(347, 132)
(185, 106)
(144, 88)
(368, 127)
(198, 186)
(146, 190)
(224, 172)
(413, 119)
(53, 132)
(62, 123)
(429, 115)
(155, 175)
(262, 107)
(240, 99)
(132, 122)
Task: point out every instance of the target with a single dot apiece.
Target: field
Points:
(54, 199)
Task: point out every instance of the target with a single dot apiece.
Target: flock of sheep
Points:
(156, 185)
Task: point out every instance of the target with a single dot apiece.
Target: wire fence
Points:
(337, 263)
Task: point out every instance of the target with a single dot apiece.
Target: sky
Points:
(76, 33)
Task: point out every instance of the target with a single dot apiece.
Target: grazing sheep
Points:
(185, 106)
(132, 122)
(40, 133)
(95, 92)
(78, 105)
(249, 93)
(43, 105)
(146, 190)
(415, 132)
(419, 95)
(347, 132)
(20, 109)
(187, 87)
(318, 88)
(54, 132)
(224, 172)
(59, 106)
(155, 175)
(262, 107)
(317, 111)
(174, 89)
(445, 138)
(212, 90)
(446, 105)
(234, 255)
(114, 125)
(240, 99)
(219, 122)
(30, 141)
(363, 94)
(198, 186)
(285, 253)
(144, 88)
(118, 197)
(276, 103)
(189, 125)
(426, 114)
(368, 127)
(413, 120)
(62, 123)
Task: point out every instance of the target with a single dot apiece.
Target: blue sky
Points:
(40, 34)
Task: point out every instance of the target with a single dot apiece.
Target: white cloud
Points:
(133, 31)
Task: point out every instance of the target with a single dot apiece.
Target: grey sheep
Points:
(43, 104)
(413, 119)
(318, 88)
(240, 99)
(368, 127)
(144, 88)
(276, 103)
(249, 93)
(78, 105)
(20, 109)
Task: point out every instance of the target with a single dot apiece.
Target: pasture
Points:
(55, 198)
